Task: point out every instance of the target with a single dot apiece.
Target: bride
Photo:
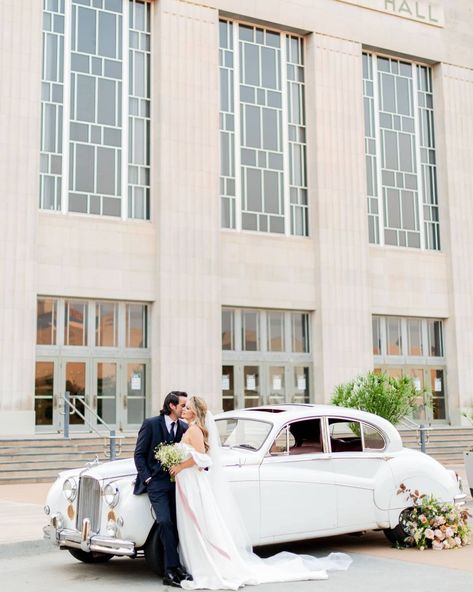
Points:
(213, 545)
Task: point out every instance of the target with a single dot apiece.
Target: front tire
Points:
(154, 552)
(91, 557)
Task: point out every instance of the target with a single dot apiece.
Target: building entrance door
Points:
(120, 391)
(248, 384)
(74, 379)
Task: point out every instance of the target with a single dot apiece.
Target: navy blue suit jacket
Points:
(152, 432)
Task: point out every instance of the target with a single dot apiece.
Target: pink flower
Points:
(429, 534)
(423, 518)
(437, 545)
(439, 534)
(449, 532)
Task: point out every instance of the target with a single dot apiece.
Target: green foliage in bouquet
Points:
(431, 524)
(388, 397)
(169, 455)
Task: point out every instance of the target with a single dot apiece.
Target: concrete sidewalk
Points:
(22, 519)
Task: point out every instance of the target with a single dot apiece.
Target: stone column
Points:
(454, 125)
(342, 321)
(20, 73)
(186, 324)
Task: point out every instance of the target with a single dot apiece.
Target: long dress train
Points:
(210, 550)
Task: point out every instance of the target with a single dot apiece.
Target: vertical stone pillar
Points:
(454, 126)
(185, 209)
(342, 321)
(20, 73)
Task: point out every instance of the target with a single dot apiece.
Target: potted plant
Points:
(386, 396)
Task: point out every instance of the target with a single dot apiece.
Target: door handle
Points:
(125, 401)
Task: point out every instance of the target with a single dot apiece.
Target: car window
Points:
(299, 437)
(372, 438)
(345, 435)
(243, 433)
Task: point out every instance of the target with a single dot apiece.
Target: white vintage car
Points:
(297, 471)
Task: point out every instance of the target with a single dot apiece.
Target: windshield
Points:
(247, 434)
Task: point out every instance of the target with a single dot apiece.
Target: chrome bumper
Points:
(460, 499)
(86, 540)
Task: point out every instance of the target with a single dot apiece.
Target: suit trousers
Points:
(162, 495)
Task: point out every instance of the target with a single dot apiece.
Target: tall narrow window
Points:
(52, 105)
(75, 328)
(228, 331)
(46, 321)
(96, 52)
(275, 331)
(106, 324)
(400, 153)
(263, 183)
(300, 332)
(139, 111)
(136, 325)
(250, 330)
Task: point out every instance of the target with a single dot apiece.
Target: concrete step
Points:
(40, 459)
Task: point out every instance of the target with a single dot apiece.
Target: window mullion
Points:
(285, 136)
(125, 108)
(66, 111)
(420, 184)
(237, 135)
(377, 133)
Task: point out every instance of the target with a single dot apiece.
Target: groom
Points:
(151, 478)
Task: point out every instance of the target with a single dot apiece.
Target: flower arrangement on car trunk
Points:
(433, 524)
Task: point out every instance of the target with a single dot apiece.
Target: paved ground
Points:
(27, 562)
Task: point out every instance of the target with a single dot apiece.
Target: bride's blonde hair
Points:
(199, 408)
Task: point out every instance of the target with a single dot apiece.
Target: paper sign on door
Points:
(225, 382)
(136, 382)
(277, 382)
(301, 382)
(250, 382)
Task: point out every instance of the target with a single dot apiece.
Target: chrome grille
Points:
(88, 503)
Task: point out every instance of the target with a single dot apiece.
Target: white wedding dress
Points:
(215, 552)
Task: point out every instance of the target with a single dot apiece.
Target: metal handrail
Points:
(115, 446)
(408, 422)
(421, 428)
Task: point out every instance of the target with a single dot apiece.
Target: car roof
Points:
(281, 414)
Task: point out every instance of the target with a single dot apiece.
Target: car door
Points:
(297, 485)
(358, 464)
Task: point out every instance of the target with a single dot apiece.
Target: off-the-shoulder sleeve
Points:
(201, 460)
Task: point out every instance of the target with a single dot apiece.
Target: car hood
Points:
(126, 467)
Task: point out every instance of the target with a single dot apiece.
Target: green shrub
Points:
(388, 397)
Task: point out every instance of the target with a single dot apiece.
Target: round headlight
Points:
(111, 495)
(69, 489)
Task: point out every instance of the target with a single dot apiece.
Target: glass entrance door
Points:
(134, 401)
(105, 397)
(45, 404)
(251, 385)
(75, 382)
(120, 390)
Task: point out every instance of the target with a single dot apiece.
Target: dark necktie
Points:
(173, 430)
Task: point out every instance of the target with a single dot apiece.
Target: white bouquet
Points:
(169, 455)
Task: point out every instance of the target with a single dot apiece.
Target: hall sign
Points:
(416, 10)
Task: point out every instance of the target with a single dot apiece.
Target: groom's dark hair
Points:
(172, 398)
